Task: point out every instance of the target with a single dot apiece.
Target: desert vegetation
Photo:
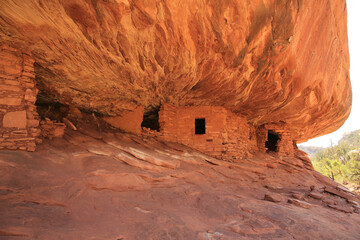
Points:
(342, 161)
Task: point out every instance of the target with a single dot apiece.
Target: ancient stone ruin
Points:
(275, 137)
(213, 130)
(268, 61)
(19, 120)
(254, 65)
(168, 119)
(210, 129)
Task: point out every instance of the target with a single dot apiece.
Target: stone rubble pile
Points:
(51, 129)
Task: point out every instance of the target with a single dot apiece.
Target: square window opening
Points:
(200, 126)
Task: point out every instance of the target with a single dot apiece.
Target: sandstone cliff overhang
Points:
(269, 60)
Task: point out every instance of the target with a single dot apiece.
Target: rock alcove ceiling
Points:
(267, 60)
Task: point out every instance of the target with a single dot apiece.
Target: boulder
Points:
(272, 198)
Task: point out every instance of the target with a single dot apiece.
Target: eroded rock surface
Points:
(268, 60)
(92, 185)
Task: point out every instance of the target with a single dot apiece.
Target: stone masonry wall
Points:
(227, 135)
(285, 144)
(240, 138)
(19, 120)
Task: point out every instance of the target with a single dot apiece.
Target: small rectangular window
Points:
(199, 125)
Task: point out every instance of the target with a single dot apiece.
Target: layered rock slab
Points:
(102, 188)
(268, 60)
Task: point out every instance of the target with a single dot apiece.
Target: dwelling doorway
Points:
(272, 142)
(151, 118)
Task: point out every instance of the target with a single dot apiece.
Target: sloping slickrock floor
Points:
(118, 186)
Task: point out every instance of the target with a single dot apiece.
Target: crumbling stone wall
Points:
(285, 144)
(19, 120)
(227, 135)
(51, 129)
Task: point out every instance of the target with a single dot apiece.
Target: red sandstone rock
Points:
(69, 124)
(75, 112)
(357, 209)
(17, 113)
(59, 130)
(224, 134)
(33, 123)
(300, 203)
(15, 119)
(30, 96)
(10, 101)
(264, 60)
(272, 187)
(31, 148)
(345, 195)
(50, 129)
(341, 208)
(19, 133)
(9, 88)
(328, 201)
(272, 198)
(342, 188)
(271, 165)
(298, 196)
(132, 198)
(315, 195)
(356, 203)
(35, 132)
(11, 82)
(129, 121)
(10, 65)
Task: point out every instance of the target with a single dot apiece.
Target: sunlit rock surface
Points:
(92, 185)
(268, 60)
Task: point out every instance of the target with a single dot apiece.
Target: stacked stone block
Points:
(19, 120)
(51, 129)
(227, 135)
(167, 122)
(285, 144)
(240, 141)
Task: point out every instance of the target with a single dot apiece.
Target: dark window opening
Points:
(200, 126)
(151, 118)
(272, 141)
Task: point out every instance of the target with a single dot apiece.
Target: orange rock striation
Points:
(109, 185)
(266, 60)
